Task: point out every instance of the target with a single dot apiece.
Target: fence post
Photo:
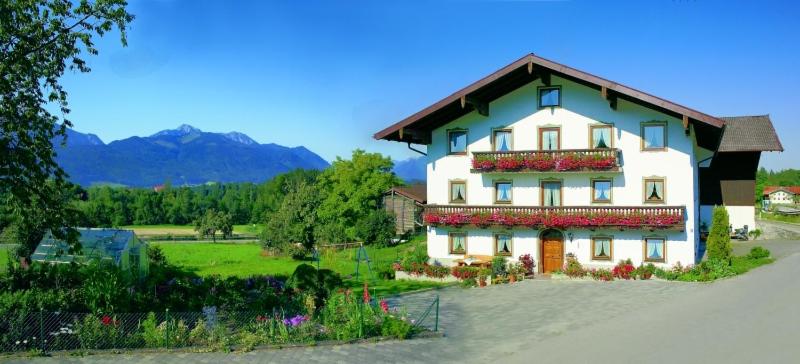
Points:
(41, 329)
(436, 322)
(166, 328)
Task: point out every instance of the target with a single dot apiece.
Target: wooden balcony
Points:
(547, 161)
(566, 217)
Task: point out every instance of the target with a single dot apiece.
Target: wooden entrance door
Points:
(552, 251)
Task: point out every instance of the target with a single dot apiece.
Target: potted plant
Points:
(483, 275)
(515, 271)
(646, 271)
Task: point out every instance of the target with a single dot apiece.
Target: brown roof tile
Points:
(416, 192)
(749, 134)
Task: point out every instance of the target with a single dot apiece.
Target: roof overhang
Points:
(477, 96)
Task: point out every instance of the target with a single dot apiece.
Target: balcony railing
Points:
(565, 160)
(576, 217)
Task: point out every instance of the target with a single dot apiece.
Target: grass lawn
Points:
(742, 264)
(243, 260)
(3, 258)
(187, 229)
(794, 219)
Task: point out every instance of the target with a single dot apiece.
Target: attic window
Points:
(549, 96)
(457, 142)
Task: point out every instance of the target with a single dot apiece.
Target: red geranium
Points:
(508, 163)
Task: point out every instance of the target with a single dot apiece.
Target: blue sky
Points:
(327, 75)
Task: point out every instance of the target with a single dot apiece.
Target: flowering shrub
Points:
(550, 219)
(573, 268)
(425, 269)
(602, 274)
(527, 263)
(465, 272)
(565, 161)
(623, 270)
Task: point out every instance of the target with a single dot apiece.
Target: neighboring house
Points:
(539, 158)
(781, 194)
(119, 247)
(406, 203)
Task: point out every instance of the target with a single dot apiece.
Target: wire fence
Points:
(46, 332)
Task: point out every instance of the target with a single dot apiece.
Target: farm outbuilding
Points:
(119, 247)
(406, 203)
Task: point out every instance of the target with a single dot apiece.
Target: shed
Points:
(406, 203)
(120, 247)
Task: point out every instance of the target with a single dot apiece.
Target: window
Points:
(601, 248)
(502, 192)
(654, 136)
(549, 96)
(549, 139)
(601, 190)
(551, 193)
(502, 244)
(501, 140)
(458, 243)
(458, 192)
(457, 142)
(600, 136)
(654, 249)
(654, 190)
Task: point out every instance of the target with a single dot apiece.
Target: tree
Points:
(224, 221)
(376, 228)
(290, 229)
(718, 244)
(352, 188)
(212, 221)
(39, 40)
(207, 225)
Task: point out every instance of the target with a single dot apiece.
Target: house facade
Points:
(542, 159)
(781, 195)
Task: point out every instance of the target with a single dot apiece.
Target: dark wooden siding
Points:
(730, 180)
(407, 212)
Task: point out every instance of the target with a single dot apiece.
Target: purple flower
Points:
(295, 321)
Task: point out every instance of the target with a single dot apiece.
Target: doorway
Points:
(552, 250)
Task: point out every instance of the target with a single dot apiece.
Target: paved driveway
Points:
(751, 318)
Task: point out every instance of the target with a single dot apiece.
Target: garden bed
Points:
(400, 275)
(706, 271)
(346, 318)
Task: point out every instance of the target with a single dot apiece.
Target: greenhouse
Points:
(120, 247)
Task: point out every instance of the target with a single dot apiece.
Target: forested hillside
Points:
(786, 177)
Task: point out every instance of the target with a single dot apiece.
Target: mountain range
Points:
(188, 156)
(185, 155)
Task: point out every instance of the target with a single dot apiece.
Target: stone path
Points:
(754, 317)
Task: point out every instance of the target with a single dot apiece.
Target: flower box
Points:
(546, 161)
(559, 218)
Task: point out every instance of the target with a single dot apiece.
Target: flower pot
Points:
(512, 278)
(482, 283)
(647, 275)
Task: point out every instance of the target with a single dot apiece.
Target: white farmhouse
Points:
(539, 158)
(781, 195)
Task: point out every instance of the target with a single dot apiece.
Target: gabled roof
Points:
(749, 134)
(791, 189)
(417, 127)
(416, 192)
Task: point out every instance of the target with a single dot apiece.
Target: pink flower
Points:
(384, 306)
(366, 293)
